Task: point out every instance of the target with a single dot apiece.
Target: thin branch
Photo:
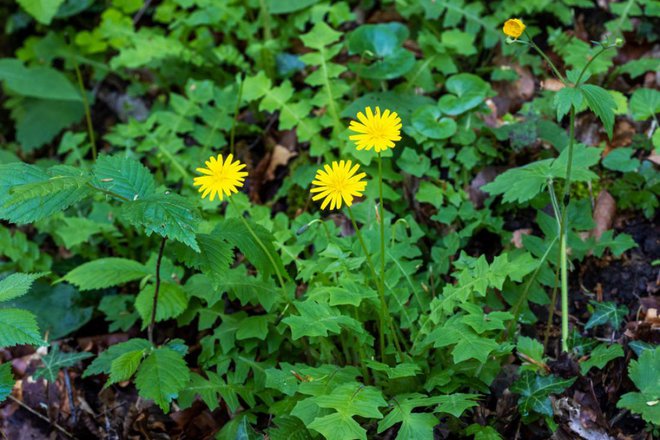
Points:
(42, 417)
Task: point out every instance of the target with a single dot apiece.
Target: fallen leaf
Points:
(280, 156)
(517, 238)
(554, 85)
(604, 212)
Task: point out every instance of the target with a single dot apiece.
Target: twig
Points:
(42, 417)
(154, 305)
(69, 390)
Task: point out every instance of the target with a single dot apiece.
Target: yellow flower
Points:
(220, 177)
(338, 183)
(377, 131)
(514, 27)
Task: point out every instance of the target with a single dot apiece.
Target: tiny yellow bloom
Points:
(376, 130)
(220, 177)
(337, 183)
(514, 27)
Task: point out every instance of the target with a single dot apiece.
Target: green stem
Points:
(234, 121)
(261, 245)
(88, 113)
(586, 66)
(545, 57)
(565, 199)
(383, 304)
(154, 305)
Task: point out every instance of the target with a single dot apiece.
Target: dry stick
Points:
(42, 417)
(155, 303)
(69, 390)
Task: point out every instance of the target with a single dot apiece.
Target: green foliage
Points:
(535, 391)
(600, 357)
(644, 373)
(106, 272)
(606, 313)
(6, 381)
(56, 360)
(161, 376)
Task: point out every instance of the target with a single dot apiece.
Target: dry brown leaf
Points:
(517, 238)
(604, 213)
(554, 85)
(654, 157)
(280, 156)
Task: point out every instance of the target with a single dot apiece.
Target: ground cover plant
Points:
(329, 219)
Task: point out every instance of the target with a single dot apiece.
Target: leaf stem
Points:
(545, 57)
(261, 244)
(109, 193)
(586, 66)
(88, 113)
(154, 305)
(235, 120)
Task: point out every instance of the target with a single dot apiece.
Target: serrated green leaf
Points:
(55, 360)
(17, 284)
(103, 363)
(289, 428)
(644, 104)
(565, 99)
(600, 357)
(7, 381)
(162, 376)
(27, 193)
(124, 366)
(172, 301)
(601, 103)
(620, 159)
(213, 259)
(106, 272)
(168, 215)
(123, 176)
(18, 327)
(531, 348)
(645, 373)
(253, 327)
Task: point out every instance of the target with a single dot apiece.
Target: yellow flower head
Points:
(376, 130)
(338, 183)
(220, 177)
(514, 28)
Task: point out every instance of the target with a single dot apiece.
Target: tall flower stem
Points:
(88, 113)
(260, 243)
(383, 304)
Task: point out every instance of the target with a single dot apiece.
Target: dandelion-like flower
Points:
(514, 27)
(220, 177)
(376, 130)
(338, 183)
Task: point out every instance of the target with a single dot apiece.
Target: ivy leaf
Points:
(7, 381)
(162, 375)
(414, 425)
(601, 103)
(644, 374)
(106, 272)
(124, 176)
(606, 313)
(601, 356)
(17, 284)
(535, 390)
(103, 363)
(210, 390)
(467, 344)
(172, 301)
(347, 400)
(168, 215)
(316, 319)
(18, 327)
(55, 360)
(456, 404)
